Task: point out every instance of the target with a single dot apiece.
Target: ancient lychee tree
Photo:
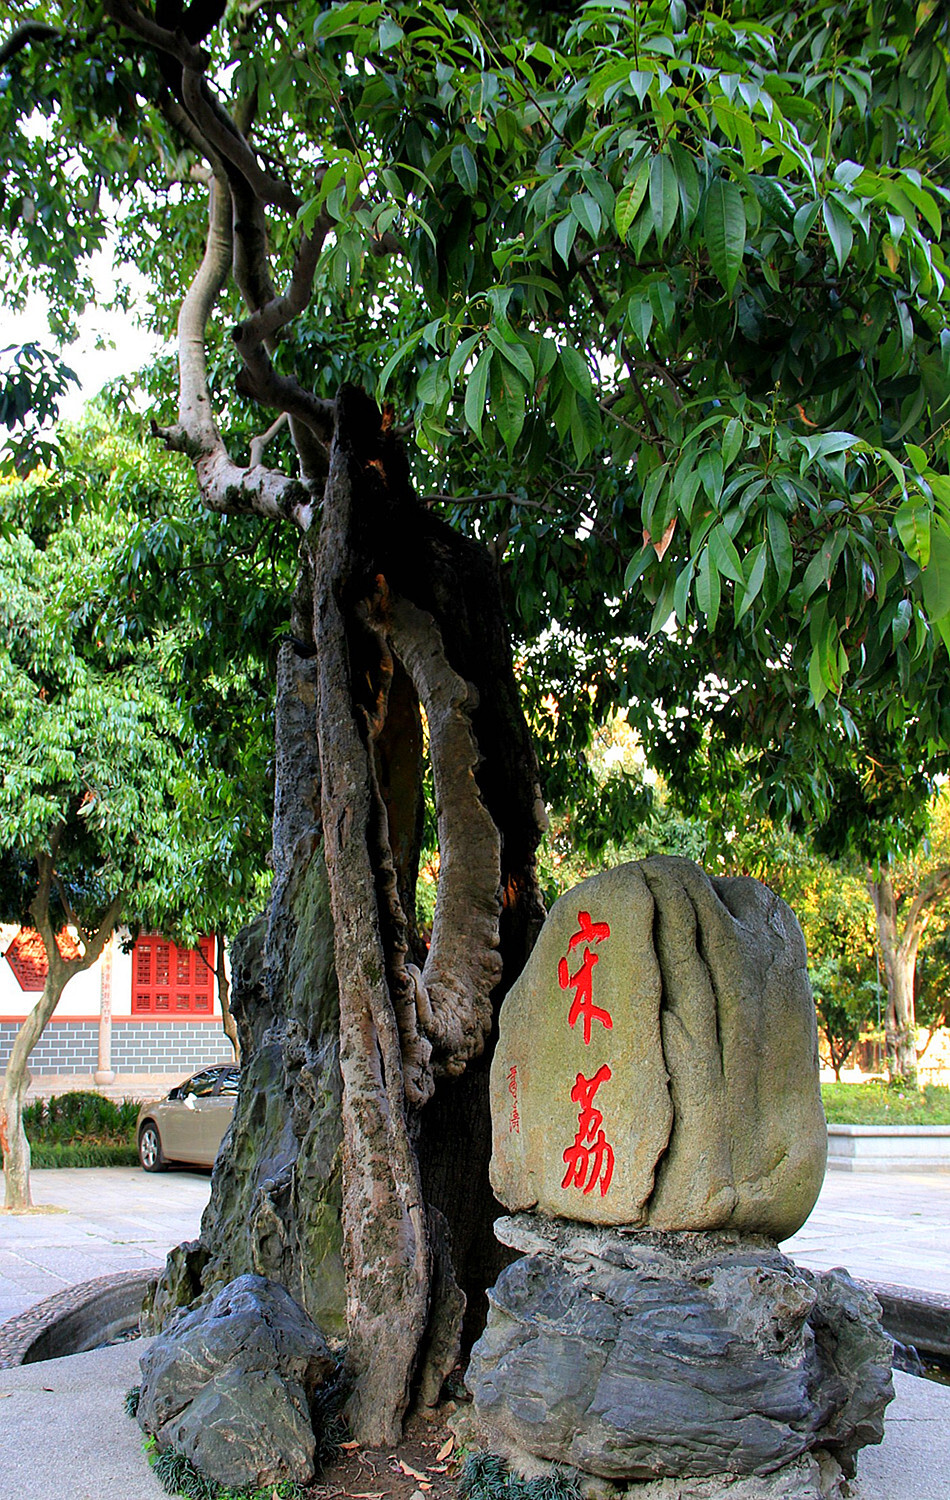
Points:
(656, 295)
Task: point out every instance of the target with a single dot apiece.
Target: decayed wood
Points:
(453, 992)
(384, 1224)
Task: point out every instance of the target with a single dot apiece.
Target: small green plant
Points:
(81, 1129)
(179, 1476)
(485, 1476)
(130, 1402)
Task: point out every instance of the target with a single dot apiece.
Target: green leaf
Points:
(746, 598)
(516, 354)
(638, 565)
(640, 318)
(708, 590)
(586, 211)
(725, 225)
(575, 368)
(839, 230)
(732, 441)
(935, 579)
(564, 236)
(507, 401)
(913, 523)
(464, 167)
(631, 196)
(780, 546)
(476, 392)
(723, 553)
(390, 34)
(664, 195)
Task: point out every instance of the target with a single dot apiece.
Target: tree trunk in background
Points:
(16, 1079)
(404, 609)
(228, 1023)
(898, 957)
(899, 935)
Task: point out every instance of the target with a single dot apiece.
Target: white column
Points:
(104, 1072)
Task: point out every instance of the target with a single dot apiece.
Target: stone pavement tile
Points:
(913, 1462)
(881, 1226)
(64, 1434)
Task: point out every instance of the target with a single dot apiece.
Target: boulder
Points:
(230, 1386)
(657, 1062)
(687, 1355)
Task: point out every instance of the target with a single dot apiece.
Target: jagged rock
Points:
(657, 1062)
(230, 1386)
(635, 1357)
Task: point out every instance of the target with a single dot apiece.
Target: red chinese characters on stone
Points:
(582, 983)
(591, 1159)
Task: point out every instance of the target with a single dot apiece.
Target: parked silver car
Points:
(188, 1125)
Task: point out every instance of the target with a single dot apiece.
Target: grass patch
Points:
(81, 1129)
(885, 1104)
(485, 1476)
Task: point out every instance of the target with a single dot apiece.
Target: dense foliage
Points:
(663, 299)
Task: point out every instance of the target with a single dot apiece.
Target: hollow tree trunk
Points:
(275, 1191)
(408, 617)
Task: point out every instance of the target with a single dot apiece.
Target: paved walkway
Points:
(99, 1220)
(892, 1227)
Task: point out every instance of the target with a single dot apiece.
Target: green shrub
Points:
(81, 1129)
(79, 1154)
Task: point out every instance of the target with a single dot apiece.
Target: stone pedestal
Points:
(635, 1357)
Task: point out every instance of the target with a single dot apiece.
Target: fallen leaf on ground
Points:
(349, 1447)
(412, 1473)
(446, 1449)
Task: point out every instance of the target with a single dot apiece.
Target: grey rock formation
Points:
(635, 1357)
(661, 1046)
(230, 1386)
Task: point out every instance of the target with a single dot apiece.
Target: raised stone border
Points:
(889, 1148)
(913, 1317)
(79, 1318)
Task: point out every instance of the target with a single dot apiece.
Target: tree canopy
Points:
(658, 292)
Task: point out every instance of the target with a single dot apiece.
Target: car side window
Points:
(229, 1083)
(202, 1084)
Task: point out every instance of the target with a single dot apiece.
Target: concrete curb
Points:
(83, 1317)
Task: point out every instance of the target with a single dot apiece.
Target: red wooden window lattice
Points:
(168, 980)
(27, 957)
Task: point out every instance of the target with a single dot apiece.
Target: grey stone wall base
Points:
(82, 1317)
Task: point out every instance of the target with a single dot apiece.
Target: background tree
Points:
(116, 799)
(660, 291)
(905, 894)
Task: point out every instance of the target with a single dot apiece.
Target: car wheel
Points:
(151, 1154)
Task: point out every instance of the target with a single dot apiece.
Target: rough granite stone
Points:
(230, 1386)
(692, 1007)
(676, 1355)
